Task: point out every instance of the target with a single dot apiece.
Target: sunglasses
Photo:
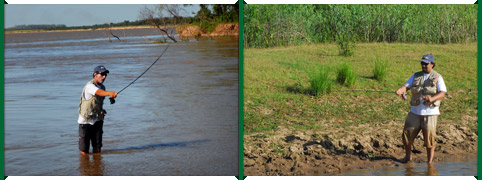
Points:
(103, 74)
(424, 64)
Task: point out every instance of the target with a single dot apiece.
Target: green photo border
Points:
(2, 97)
(478, 90)
(240, 91)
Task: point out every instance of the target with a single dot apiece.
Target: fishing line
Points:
(404, 95)
(112, 101)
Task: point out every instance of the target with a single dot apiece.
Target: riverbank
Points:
(184, 31)
(226, 29)
(89, 29)
(322, 153)
(288, 131)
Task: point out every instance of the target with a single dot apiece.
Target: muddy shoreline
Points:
(335, 151)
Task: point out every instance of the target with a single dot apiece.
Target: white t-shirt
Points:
(422, 109)
(90, 90)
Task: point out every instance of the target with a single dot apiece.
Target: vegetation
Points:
(320, 82)
(288, 25)
(345, 75)
(380, 70)
(278, 85)
(221, 13)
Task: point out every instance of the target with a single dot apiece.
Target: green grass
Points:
(320, 82)
(276, 82)
(380, 70)
(345, 75)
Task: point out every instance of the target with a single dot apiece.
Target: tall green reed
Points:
(320, 81)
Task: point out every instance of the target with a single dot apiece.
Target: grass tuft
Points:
(320, 81)
(345, 75)
(380, 71)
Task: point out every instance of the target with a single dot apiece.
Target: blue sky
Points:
(74, 14)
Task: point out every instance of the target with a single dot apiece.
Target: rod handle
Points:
(112, 100)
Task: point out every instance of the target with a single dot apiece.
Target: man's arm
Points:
(101, 92)
(442, 90)
(440, 95)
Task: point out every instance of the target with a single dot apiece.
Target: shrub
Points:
(345, 75)
(380, 71)
(320, 81)
(345, 44)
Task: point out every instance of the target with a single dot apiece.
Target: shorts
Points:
(90, 133)
(414, 123)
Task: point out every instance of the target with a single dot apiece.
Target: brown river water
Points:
(180, 118)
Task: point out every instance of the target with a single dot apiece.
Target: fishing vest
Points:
(92, 108)
(421, 88)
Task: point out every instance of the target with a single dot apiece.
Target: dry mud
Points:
(334, 151)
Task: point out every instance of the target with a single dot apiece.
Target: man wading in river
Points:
(428, 89)
(91, 113)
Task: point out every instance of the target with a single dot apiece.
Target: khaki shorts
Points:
(414, 123)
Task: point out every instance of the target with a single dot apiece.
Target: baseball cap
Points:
(427, 58)
(101, 69)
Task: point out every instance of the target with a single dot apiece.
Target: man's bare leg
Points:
(408, 153)
(430, 153)
(97, 150)
(83, 153)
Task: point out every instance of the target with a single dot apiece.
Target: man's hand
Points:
(401, 90)
(440, 95)
(428, 99)
(113, 94)
(104, 111)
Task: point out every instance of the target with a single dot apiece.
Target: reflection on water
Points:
(91, 165)
(184, 109)
(464, 168)
(411, 170)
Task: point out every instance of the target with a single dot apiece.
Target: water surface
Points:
(180, 118)
(455, 168)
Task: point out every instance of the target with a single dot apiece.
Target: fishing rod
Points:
(404, 95)
(112, 100)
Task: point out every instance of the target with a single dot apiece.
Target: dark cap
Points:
(427, 58)
(100, 69)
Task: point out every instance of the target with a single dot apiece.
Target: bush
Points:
(321, 82)
(345, 75)
(346, 44)
(380, 71)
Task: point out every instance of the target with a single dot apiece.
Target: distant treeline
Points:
(37, 26)
(282, 25)
(187, 20)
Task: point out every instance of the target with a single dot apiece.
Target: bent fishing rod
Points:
(112, 100)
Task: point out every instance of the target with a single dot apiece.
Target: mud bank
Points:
(334, 151)
(188, 31)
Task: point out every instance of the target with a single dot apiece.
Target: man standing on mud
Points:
(428, 89)
(91, 112)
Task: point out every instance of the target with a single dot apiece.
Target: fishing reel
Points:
(112, 100)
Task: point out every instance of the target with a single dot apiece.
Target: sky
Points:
(74, 14)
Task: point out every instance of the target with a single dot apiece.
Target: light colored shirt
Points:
(90, 90)
(421, 109)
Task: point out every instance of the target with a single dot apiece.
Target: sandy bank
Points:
(330, 152)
